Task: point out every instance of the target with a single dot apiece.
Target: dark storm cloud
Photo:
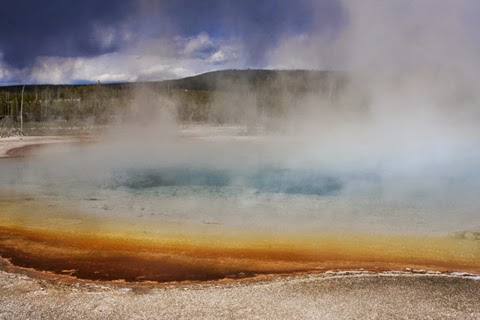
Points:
(259, 24)
(32, 28)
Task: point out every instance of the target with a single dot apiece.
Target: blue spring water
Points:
(272, 180)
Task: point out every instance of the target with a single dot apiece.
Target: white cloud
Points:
(197, 44)
(224, 54)
(218, 56)
(118, 67)
(146, 60)
(116, 77)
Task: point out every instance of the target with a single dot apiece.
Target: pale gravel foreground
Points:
(361, 296)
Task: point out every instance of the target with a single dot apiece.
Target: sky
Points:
(135, 40)
(86, 41)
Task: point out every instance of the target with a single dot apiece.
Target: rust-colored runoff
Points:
(117, 257)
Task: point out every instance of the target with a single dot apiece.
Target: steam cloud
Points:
(401, 134)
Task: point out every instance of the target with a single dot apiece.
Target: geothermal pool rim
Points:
(32, 241)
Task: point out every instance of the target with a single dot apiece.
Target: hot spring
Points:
(203, 208)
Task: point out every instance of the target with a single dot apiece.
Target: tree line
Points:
(219, 97)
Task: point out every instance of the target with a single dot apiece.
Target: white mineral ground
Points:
(11, 143)
(345, 295)
(329, 296)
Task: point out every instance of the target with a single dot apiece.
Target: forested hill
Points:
(223, 79)
(228, 96)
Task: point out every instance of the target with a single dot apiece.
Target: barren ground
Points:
(357, 296)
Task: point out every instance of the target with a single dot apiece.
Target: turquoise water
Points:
(270, 180)
(251, 185)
